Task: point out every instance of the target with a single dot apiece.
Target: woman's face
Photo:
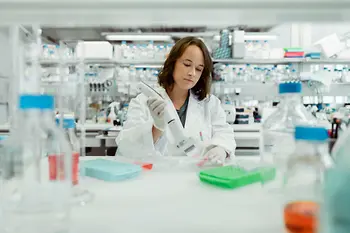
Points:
(188, 68)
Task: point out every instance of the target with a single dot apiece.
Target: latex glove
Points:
(156, 107)
(216, 155)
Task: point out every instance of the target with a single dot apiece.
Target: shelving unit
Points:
(261, 90)
(260, 61)
(252, 89)
(146, 63)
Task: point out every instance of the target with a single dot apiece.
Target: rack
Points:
(261, 90)
(159, 63)
(282, 61)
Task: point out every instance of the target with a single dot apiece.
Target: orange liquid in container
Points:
(56, 171)
(301, 217)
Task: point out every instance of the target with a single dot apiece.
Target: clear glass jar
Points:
(278, 130)
(35, 194)
(80, 196)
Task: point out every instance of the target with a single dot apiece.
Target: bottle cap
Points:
(291, 87)
(36, 101)
(68, 123)
(311, 133)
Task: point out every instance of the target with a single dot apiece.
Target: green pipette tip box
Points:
(233, 177)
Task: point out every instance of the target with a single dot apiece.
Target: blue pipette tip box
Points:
(109, 170)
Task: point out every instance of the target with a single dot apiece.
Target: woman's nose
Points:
(192, 71)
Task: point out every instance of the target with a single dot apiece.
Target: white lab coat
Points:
(204, 117)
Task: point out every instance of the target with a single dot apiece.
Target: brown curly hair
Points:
(165, 77)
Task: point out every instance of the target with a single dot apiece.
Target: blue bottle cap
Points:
(35, 101)
(291, 87)
(310, 133)
(68, 123)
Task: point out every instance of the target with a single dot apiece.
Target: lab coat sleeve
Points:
(136, 139)
(222, 132)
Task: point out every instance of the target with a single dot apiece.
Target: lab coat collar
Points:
(194, 106)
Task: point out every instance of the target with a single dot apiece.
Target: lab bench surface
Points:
(175, 201)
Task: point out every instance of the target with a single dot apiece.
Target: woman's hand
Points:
(156, 107)
(216, 155)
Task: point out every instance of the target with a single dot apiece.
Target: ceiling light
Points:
(138, 37)
(254, 36)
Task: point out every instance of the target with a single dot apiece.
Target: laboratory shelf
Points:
(262, 90)
(260, 61)
(247, 135)
(246, 127)
(56, 62)
(327, 61)
(91, 61)
(159, 63)
(142, 63)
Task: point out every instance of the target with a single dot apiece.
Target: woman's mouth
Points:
(189, 80)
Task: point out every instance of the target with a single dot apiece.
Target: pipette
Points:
(182, 143)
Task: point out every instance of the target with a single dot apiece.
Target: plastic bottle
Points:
(294, 75)
(118, 52)
(335, 75)
(344, 75)
(265, 54)
(247, 48)
(36, 172)
(124, 113)
(112, 116)
(325, 71)
(79, 196)
(278, 129)
(124, 48)
(257, 49)
(302, 189)
(229, 109)
(286, 73)
(249, 72)
(150, 50)
(161, 52)
(259, 77)
(132, 74)
(168, 49)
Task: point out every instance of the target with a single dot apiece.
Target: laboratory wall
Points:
(5, 73)
(5, 60)
(284, 36)
(320, 30)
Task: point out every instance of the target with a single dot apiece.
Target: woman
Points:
(186, 78)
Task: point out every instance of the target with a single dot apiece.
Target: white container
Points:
(238, 36)
(330, 45)
(95, 50)
(238, 50)
(118, 52)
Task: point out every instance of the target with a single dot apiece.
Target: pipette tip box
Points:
(109, 170)
(233, 177)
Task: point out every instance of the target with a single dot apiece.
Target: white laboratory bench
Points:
(247, 136)
(247, 139)
(174, 202)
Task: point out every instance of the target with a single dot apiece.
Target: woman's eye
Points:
(199, 70)
(187, 65)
